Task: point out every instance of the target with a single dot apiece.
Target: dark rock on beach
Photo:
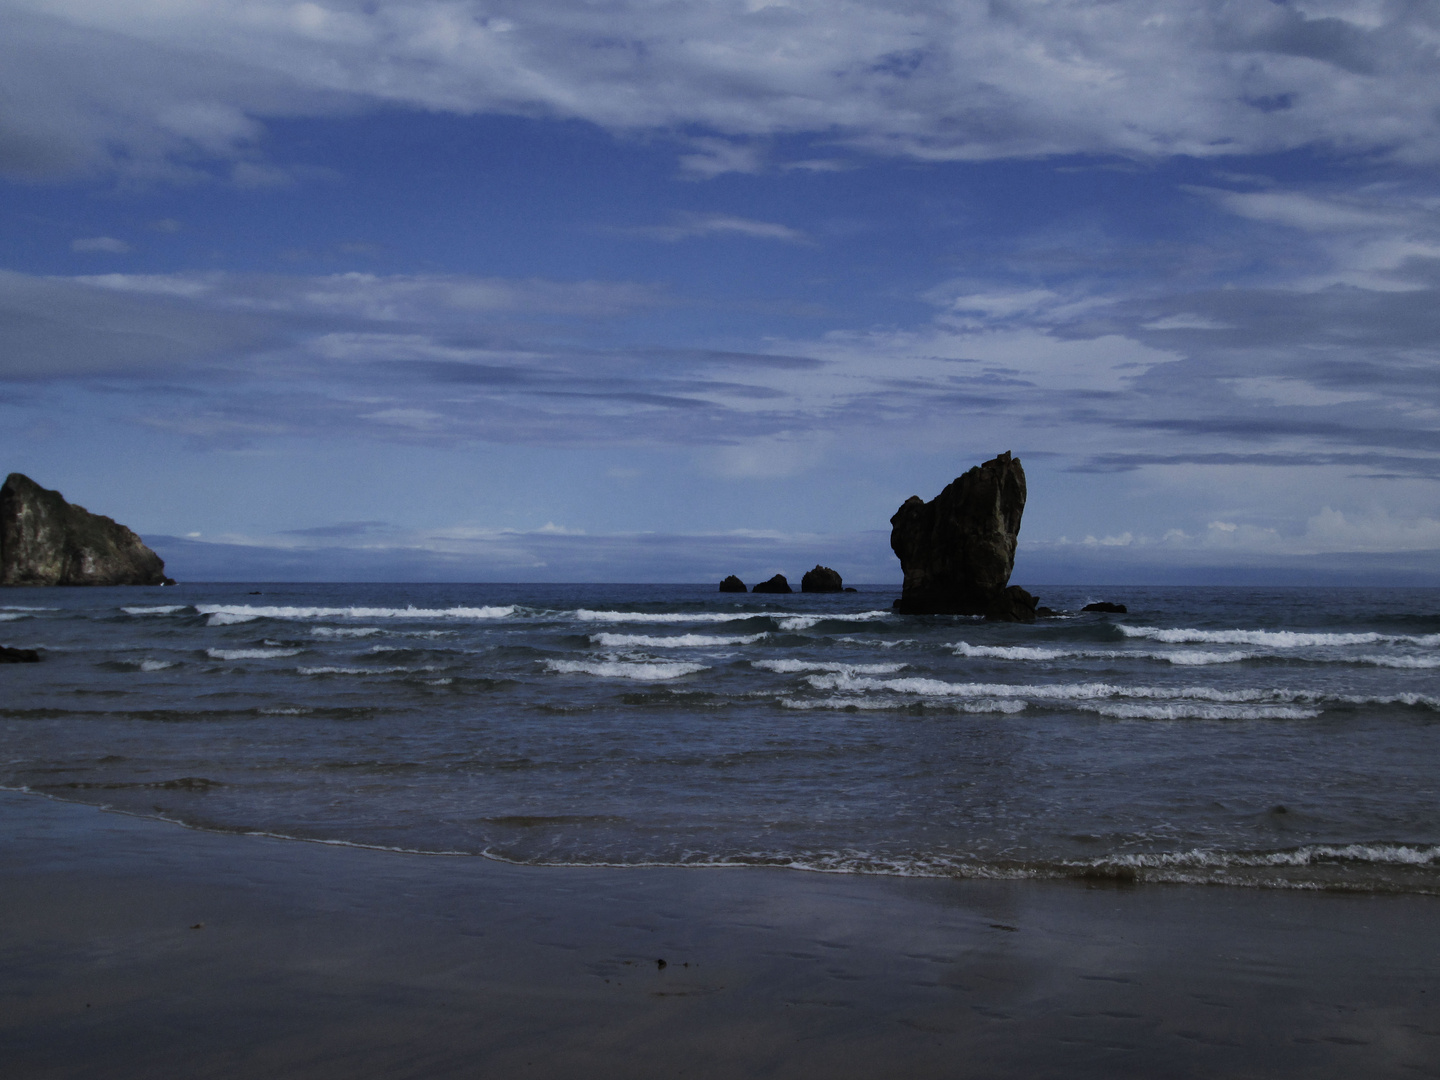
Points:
(1107, 607)
(957, 550)
(18, 656)
(45, 540)
(821, 579)
(776, 584)
(732, 584)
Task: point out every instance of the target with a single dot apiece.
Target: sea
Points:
(1264, 738)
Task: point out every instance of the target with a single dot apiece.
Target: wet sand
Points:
(134, 948)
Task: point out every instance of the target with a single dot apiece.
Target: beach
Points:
(135, 947)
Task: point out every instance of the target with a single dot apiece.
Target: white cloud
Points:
(686, 226)
(100, 243)
(162, 82)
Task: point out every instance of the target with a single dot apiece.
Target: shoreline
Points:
(135, 947)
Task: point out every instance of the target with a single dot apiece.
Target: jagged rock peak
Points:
(957, 550)
(776, 584)
(821, 579)
(45, 540)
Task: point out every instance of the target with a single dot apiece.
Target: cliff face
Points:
(957, 550)
(44, 540)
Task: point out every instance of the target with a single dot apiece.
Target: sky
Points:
(664, 290)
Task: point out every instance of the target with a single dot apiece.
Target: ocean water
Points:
(1285, 738)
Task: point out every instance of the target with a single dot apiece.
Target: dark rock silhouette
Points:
(44, 540)
(18, 656)
(1107, 607)
(821, 579)
(775, 584)
(732, 584)
(957, 550)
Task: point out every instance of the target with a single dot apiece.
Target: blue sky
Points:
(664, 291)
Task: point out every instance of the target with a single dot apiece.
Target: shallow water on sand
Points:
(1284, 737)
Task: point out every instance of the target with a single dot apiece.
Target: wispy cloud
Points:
(100, 243)
(930, 80)
(688, 225)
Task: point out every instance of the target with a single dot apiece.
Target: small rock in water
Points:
(776, 584)
(821, 579)
(18, 656)
(732, 584)
(1107, 607)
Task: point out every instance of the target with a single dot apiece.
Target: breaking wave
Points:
(643, 671)
(676, 641)
(229, 614)
(1275, 639)
(250, 654)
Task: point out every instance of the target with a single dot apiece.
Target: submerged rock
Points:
(18, 656)
(821, 579)
(44, 540)
(732, 584)
(775, 584)
(1107, 607)
(957, 550)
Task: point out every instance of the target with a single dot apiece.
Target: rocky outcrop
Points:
(957, 550)
(1107, 607)
(44, 540)
(18, 656)
(776, 584)
(821, 579)
(732, 584)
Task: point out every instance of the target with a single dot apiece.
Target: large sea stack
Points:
(957, 550)
(44, 540)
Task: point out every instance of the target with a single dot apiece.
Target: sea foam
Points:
(250, 654)
(643, 671)
(230, 614)
(675, 641)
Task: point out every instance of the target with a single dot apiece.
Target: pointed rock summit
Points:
(44, 540)
(957, 550)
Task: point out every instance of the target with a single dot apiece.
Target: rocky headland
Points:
(45, 540)
(958, 549)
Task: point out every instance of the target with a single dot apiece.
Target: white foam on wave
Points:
(337, 670)
(1179, 657)
(676, 641)
(586, 615)
(1101, 691)
(250, 654)
(229, 614)
(799, 667)
(1377, 854)
(12, 616)
(344, 631)
(644, 671)
(1421, 662)
(163, 609)
(877, 643)
(1198, 710)
(1275, 639)
(25, 607)
(788, 620)
(805, 622)
(873, 704)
